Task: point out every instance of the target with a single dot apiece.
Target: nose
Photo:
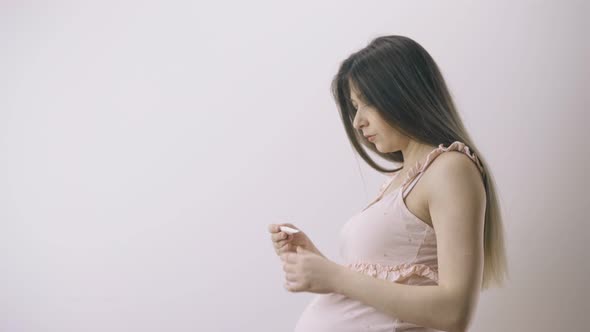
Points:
(355, 122)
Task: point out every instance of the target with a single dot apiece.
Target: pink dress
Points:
(387, 241)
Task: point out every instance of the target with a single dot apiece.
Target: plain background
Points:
(146, 146)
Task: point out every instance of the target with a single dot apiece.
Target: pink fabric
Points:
(387, 241)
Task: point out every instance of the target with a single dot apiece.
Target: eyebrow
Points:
(355, 102)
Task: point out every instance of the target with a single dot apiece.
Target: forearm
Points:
(429, 306)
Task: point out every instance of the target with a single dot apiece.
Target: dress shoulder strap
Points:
(418, 170)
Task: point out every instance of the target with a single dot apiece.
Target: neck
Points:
(415, 152)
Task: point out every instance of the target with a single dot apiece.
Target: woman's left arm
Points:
(456, 201)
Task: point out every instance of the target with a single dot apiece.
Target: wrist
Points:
(338, 278)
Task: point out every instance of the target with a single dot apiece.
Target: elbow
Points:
(455, 321)
(460, 313)
(460, 321)
(456, 313)
(457, 328)
(453, 326)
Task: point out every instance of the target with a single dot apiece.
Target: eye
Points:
(356, 107)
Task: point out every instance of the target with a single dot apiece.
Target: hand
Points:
(283, 242)
(309, 272)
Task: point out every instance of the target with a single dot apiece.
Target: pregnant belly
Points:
(337, 313)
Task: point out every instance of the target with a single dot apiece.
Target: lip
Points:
(371, 138)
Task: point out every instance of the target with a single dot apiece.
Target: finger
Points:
(290, 277)
(287, 248)
(288, 268)
(290, 257)
(279, 244)
(283, 249)
(291, 287)
(283, 242)
(273, 228)
(279, 248)
(279, 236)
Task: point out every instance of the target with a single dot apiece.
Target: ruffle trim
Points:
(395, 273)
(460, 146)
(455, 146)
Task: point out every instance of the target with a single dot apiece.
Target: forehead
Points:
(353, 94)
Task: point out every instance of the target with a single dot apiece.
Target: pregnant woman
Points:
(418, 255)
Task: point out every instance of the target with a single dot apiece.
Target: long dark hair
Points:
(400, 79)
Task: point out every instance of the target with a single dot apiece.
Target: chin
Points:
(383, 150)
(377, 147)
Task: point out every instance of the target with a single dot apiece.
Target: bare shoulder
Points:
(454, 176)
(456, 203)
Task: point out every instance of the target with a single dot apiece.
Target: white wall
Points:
(145, 147)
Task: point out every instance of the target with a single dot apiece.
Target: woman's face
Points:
(369, 121)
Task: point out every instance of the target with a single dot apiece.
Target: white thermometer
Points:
(288, 230)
